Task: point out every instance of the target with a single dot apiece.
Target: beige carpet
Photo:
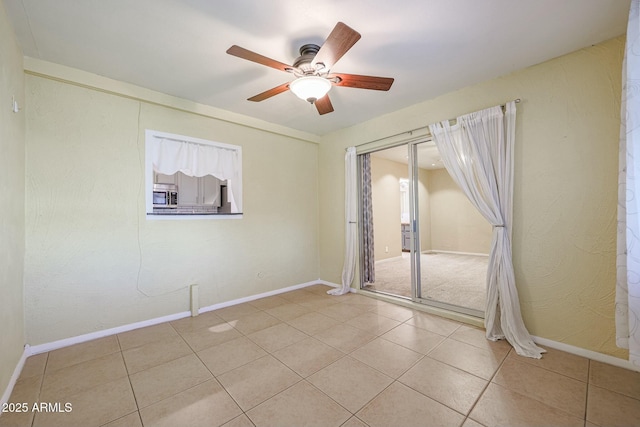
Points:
(450, 278)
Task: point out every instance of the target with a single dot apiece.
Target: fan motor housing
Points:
(315, 71)
(303, 62)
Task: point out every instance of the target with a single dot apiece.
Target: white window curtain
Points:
(170, 156)
(628, 250)
(478, 154)
(351, 211)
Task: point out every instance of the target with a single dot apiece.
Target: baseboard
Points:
(262, 295)
(66, 342)
(593, 355)
(544, 342)
(324, 282)
(16, 374)
(43, 348)
(436, 251)
(335, 285)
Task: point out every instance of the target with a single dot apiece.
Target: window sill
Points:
(192, 216)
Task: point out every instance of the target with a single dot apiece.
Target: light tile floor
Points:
(305, 358)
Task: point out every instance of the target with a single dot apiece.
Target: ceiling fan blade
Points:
(323, 105)
(341, 39)
(363, 82)
(269, 93)
(243, 53)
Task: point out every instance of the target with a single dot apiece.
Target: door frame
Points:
(416, 285)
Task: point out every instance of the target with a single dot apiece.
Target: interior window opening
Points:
(187, 177)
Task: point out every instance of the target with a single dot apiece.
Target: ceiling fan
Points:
(312, 69)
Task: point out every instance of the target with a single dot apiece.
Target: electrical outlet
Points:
(386, 249)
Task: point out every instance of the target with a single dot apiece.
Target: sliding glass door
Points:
(420, 238)
(451, 239)
(384, 258)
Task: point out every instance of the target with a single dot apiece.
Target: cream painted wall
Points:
(565, 187)
(385, 183)
(12, 228)
(424, 210)
(448, 221)
(385, 190)
(94, 262)
(456, 225)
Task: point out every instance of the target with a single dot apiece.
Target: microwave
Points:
(165, 196)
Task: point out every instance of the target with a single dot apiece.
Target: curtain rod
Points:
(410, 132)
(195, 143)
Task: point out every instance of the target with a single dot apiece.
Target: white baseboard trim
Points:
(16, 374)
(437, 251)
(43, 348)
(258, 296)
(589, 354)
(66, 342)
(324, 282)
(335, 285)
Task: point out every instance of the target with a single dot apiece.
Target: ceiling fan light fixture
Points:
(310, 88)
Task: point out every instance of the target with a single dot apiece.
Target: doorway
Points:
(429, 243)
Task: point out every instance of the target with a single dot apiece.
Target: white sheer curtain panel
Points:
(478, 154)
(628, 250)
(350, 217)
(170, 156)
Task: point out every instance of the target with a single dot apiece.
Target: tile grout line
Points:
(526, 360)
(394, 380)
(343, 323)
(561, 374)
(586, 398)
(129, 374)
(319, 390)
(121, 351)
(450, 336)
(135, 398)
(540, 401)
(486, 387)
(33, 419)
(270, 397)
(215, 377)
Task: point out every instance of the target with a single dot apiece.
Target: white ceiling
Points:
(428, 156)
(430, 47)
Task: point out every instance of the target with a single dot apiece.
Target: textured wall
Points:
(385, 177)
(565, 187)
(455, 224)
(448, 221)
(12, 214)
(93, 261)
(385, 188)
